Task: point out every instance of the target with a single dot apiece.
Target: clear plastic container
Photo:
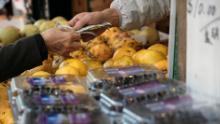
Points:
(19, 84)
(52, 100)
(121, 77)
(152, 91)
(176, 110)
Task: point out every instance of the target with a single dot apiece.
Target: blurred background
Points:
(31, 10)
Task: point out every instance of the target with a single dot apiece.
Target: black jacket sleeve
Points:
(25, 54)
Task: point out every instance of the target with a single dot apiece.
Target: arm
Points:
(137, 13)
(125, 13)
(25, 54)
(30, 52)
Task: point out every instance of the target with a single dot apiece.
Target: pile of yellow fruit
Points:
(11, 34)
(113, 48)
(6, 116)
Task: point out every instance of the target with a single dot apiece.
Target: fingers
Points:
(73, 21)
(76, 18)
(74, 36)
(61, 41)
(71, 43)
(79, 24)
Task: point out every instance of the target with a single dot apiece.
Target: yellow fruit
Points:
(118, 35)
(63, 22)
(124, 61)
(9, 35)
(59, 19)
(47, 25)
(77, 64)
(29, 30)
(67, 70)
(148, 57)
(109, 63)
(151, 34)
(39, 22)
(116, 43)
(41, 74)
(112, 30)
(92, 64)
(132, 43)
(32, 71)
(115, 30)
(101, 52)
(134, 32)
(79, 54)
(160, 48)
(162, 65)
(124, 51)
(111, 33)
(78, 89)
(6, 116)
(97, 40)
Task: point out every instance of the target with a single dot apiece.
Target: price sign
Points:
(203, 47)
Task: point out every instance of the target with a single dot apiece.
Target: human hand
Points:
(90, 18)
(86, 18)
(61, 41)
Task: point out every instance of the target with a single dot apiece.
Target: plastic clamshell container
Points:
(18, 84)
(98, 79)
(54, 100)
(176, 110)
(152, 91)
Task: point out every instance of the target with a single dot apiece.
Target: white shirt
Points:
(137, 13)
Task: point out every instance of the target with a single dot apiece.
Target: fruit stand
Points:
(119, 77)
(113, 48)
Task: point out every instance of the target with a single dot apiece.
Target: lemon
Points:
(39, 22)
(124, 61)
(159, 48)
(47, 25)
(148, 57)
(162, 65)
(77, 64)
(67, 70)
(92, 64)
(101, 52)
(29, 30)
(109, 63)
(9, 35)
(124, 51)
(151, 34)
(41, 74)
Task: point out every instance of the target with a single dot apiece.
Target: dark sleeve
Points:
(25, 54)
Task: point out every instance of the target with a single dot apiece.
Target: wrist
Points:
(111, 15)
(41, 46)
(45, 38)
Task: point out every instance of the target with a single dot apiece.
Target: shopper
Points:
(127, 14)
(30, 52)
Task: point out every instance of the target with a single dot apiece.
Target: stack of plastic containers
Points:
(53, 100)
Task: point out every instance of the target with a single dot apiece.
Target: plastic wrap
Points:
(123, 77)
(152, 91)
(52, 101)
(176, 110)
